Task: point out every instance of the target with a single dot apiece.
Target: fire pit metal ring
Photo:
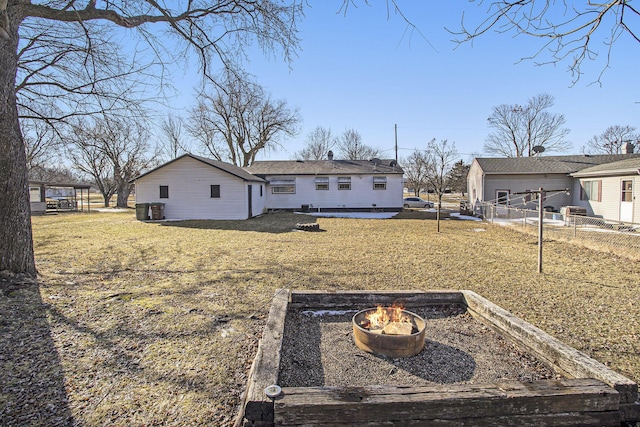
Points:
(393, 346)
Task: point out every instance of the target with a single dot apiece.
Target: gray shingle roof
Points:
(625, 166)
(224, 166)
(547, 164)
(324, 167)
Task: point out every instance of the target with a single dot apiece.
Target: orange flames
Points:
(384, 315)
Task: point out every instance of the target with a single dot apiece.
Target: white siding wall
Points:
(474, 183)
(609, 206)
(521, 183)
(361, 196)
(189, 182)
(258, 199)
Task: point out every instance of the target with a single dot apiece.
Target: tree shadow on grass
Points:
(32, 391)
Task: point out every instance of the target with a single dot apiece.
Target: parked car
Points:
(416, 202)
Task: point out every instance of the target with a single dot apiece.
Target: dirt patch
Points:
(319, 350)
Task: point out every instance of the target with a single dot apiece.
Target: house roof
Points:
(621, 167)
(223, 166)
(547, 164)
(325, 167)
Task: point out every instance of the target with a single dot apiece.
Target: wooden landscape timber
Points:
(590, 394)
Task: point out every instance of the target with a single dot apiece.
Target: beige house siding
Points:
(609, 205)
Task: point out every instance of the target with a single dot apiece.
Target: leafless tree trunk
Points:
(612, 140)
(517, 129)
(16, 250)
(112, 151)
(415, 169)
(350, 147)
(441, 157)
(239, 120)
(173, 144)
(319, 142)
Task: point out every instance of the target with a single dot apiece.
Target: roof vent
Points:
(330, 155)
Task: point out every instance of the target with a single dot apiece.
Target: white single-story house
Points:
(332, 185)
(194, 187)
(594, 182)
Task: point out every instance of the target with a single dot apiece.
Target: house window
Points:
(627, 191)
(35, 194)
(502, 197)
(379, 182)
(215, 191)
(344, 183)
(322, 183)
(164, 191)
(591, 190)
(283, 185)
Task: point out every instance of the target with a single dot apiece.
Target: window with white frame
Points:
(283, 185)
(322, 183)
(379, 182)
(591, 190)
(344, 183)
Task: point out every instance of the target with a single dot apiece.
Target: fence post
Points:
(575, 225)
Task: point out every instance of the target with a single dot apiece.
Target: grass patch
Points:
(157, 323)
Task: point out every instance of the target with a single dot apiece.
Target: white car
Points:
(417, 202)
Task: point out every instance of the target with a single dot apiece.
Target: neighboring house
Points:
(332, 185)
(610, 190)
(54, 196)
(194, 187)
(503, 181)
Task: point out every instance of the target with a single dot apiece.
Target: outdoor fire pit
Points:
(481, 365)
(389, 331)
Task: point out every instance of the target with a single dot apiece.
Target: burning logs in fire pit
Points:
(389, 331)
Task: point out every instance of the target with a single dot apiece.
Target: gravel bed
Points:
(318, 349)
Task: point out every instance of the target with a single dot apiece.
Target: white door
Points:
(626, 201)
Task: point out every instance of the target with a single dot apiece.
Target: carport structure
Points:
(48, 196)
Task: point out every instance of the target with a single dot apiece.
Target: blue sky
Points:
(366, 71)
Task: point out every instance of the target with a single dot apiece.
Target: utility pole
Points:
(396, 135)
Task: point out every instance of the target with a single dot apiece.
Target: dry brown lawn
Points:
(152, 324)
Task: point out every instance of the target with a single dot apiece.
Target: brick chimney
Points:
(627, 148)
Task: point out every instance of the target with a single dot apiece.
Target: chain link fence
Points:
(621, 238)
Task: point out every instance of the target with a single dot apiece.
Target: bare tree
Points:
(319, 142)
(217, 31)
(41, 144)
(173, 143)
(350, 147)
(612, 140)
(517, 129)
(441, 156)
(239, 120)
(415, 171)
(568, 31)
(113, 152)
